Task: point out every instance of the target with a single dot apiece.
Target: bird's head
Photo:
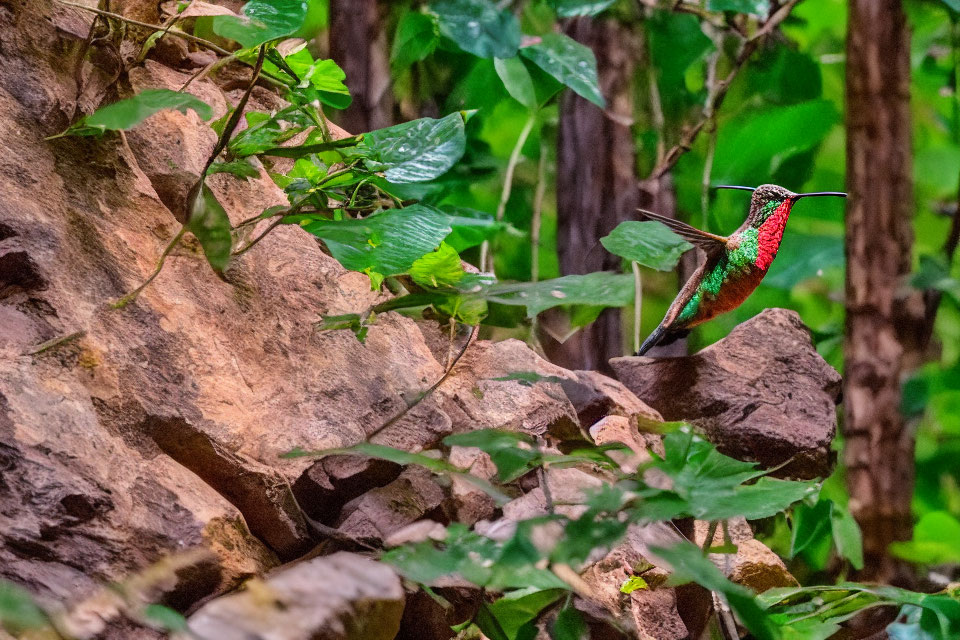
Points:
(767, 198)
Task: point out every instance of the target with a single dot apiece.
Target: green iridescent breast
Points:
(731, 264)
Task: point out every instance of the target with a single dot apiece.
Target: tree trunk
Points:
(596, 183)
(879, 450)
(358, 44)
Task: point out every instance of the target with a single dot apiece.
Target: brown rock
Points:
(338, 597)
(754, 565)
(474, 399)
(763, 393)
(381, 512)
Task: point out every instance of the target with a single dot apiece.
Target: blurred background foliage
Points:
(782, 121)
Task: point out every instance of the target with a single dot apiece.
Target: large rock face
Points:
(763, 393)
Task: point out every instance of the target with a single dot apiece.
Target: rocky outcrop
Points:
(763, 394)
(302, 602)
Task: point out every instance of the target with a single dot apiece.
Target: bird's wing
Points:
(707, 241)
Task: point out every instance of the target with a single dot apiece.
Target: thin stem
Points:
(180, 34)
(237, 112)
(486, 260)
(422, 396)
(637, 305)
(252, 243)
(130, 297)
(536, 219)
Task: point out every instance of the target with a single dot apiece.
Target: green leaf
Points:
(648, 243)
(264, 20)
(165, 618)
(478, 27)
(803, 256)
(690, 565)
(516, 79)
(440, 268)
(954, 5)
(126, 114)
(569, 624)
(319, 79)
(633, 583)
(415, 151)
(572, 8)
(846, 535)
(387, 243)
(936, 540)
(416, 38)
(754, 7)
(527, 378)
(18, 611)
(238, 168)
(760, 143)
(209, 222)
(511, 458)
(516, 611)
(471, 227)
(601, 288)
(265, 132)
(570, 62)
(810, 525)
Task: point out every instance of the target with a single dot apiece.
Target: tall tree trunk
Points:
(358, 44)
(879, 450)
(596, 183)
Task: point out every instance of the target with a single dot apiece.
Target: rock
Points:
(424, 618)
(338, 597)
(381, 512)
(763, 393)
(754, 565)
(474, 399)
(595, 396)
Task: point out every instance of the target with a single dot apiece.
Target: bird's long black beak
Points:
(818, 193)
(730, 186)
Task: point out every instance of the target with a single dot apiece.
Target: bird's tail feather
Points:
(661, 336)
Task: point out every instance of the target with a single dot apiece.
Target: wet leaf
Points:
(478, 27)
(209, 222)
(414, 151)
(648, 243)
(126, 114)
(571, 8)
(570, 62)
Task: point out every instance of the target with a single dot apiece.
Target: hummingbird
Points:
(734, 264)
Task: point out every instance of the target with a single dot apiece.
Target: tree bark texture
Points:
(596, 183)
(879, 450)
(358, 43)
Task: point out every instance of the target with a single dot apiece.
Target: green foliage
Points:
(209, 222)
(648, 243)
(128, 113)
(18, 611)
(388, 243)
(440, 268)
(936, 540)
(266, 20)
(756, 7)
(571, 8)
(604, 289)
(570, 62)
(416, 38)
(826, 521)
(415, 151)
(478, 27)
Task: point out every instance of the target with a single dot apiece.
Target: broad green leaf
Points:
(572, 8)
(516, 611)
(319, 79)
(569, 624)
(601, 288)
(846, 535)
(690, 565)
(237, 168)
(478, 27)
(648, 243)
(416, 38)
(570, 62)
(209, 222)
(415, 151)
(440, 268)
(266, 132)
(18, 611)
(387, 243)
(516, 79)
(471, 227)
(758, 144)
(755, 7)
(128, 113)
(936, 540)
(810, 524)
(265, 20)
(803, 256)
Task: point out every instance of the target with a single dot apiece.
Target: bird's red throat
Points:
(770, 234)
